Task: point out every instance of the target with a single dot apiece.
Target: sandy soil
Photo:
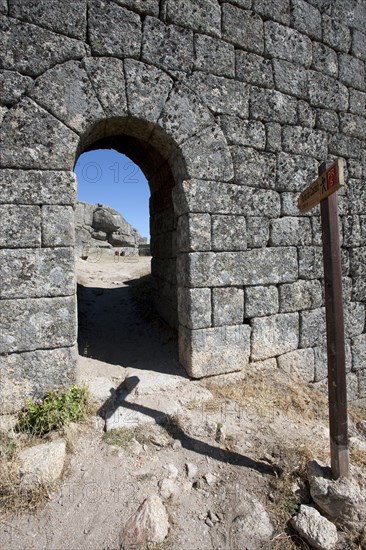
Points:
(239, 448)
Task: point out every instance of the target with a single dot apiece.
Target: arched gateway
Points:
(228, 111)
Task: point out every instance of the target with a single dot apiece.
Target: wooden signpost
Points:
(323, 191)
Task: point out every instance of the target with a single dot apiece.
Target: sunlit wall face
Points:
(108, 177)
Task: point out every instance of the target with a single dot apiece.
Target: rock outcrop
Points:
(97, 225)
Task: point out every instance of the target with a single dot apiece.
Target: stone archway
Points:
(163, 126)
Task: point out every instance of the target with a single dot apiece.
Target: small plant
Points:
(56, 409)
(122, 437)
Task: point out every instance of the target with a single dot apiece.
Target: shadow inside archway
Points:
(115, 329)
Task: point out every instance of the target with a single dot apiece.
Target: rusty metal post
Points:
(337, 388)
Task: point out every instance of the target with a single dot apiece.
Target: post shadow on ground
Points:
(118, 399)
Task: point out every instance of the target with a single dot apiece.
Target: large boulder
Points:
(104, 221)
(116, 239)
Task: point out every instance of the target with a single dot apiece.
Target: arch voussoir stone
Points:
(66, 92)
(107, 78)
(147, 90)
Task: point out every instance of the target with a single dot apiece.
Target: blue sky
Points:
(111, 178)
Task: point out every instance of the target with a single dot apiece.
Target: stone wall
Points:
(228, 108)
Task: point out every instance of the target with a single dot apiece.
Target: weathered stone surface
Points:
(354, 319)
(359, 352)
(218, 350)
(274, 137)
(194, 306)
(58, 226)
(357, 259)
(30, 324)
(36, 272)
(43, 142)
(251, 267)
(201, 15)
(261, 301)
(359, 44)
(254, 69)
(252, 526)
(13, 86)
(287, 44)
(107, 78)
(362, 384)
(221, 95)
(278, 11)
(327, 120)
(352, 13)
(274, 335)
(306, 19)
(312, 327)
(341, 500)
(184, 115)
(104, 220)
(227, 306)
(289, 204)
(298, 364)
(326, 92)
(20, 226)
(42, 464)
(290, 79)
(37, 187)
(33, 373)
(272, 106)
(243, 132)
(300, 295)
(305, 141)
(229, 229)
(336, 34)
(194, 232)
(315, 529)
(310, 262)
(167, 46)
(207, 156)
(67, 18)
(224, 198)
(67, 93)
(352, 72)
(150, 7)
(306, 114)
(117, 32)
(214, 56)
(243, 28)
(357, 102)
(23, 47)
(254, 168)
(150, 524)
(353, 125)
(257, 232)
(290, 231)
(4, 6)
(325, 59)
(345, 146)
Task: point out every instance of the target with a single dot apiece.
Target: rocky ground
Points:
(222, 462)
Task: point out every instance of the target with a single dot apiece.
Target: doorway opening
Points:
(126, 260)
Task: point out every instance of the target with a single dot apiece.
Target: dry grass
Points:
(261, 392)
(14, 497)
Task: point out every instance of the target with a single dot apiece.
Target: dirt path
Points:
(227, 452)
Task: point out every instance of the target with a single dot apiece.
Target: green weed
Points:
(58, 408)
